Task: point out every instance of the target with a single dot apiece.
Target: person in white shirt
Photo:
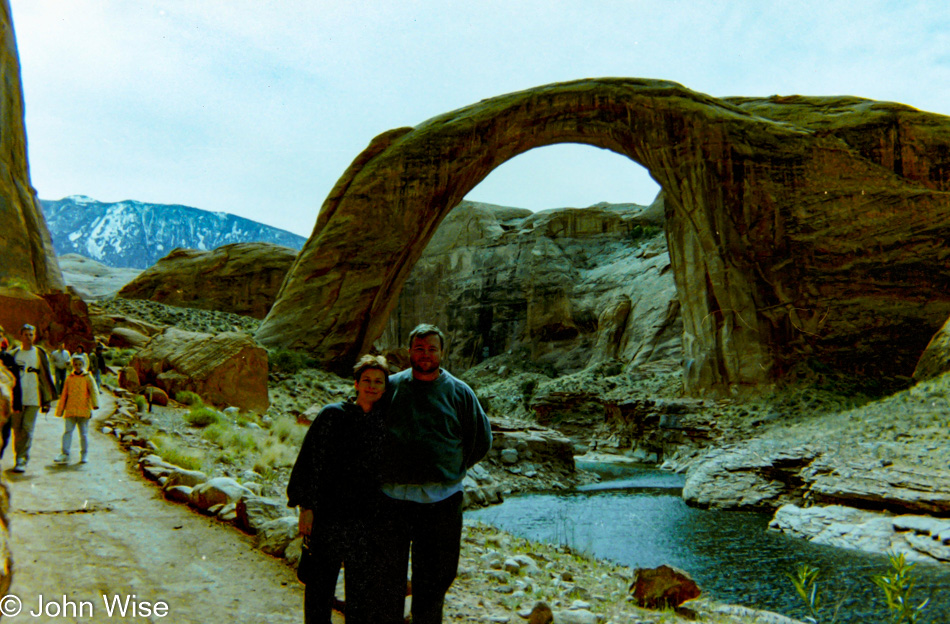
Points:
(34, 392)
(60, 358)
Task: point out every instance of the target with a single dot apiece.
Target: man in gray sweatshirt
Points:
(437, 431)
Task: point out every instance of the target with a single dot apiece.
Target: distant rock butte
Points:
(26, 250)
(242, 278)
(799, 228)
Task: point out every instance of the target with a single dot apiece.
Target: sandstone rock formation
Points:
(57, 317)
(564, 288)
(936, 357)
(766, 475)
(919, 538)
(242, 278)
(227, 369)
(798, 227)
(26, 250)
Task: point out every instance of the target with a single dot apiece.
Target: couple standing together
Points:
(382, 476)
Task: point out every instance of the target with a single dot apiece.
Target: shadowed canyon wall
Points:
(798, 227)
(558, 290)
(25, 246)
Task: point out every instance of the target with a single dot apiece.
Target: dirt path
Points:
(85, 531)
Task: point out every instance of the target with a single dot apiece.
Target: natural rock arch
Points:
(791, 221)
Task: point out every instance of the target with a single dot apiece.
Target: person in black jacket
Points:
(335, 483)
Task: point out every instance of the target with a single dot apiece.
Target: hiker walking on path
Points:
(99, 364)
(60, 359)
(437, 430)
(34, 392)
(79, 398)
(335, 482)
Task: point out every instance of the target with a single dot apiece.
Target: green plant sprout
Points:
(897, 585)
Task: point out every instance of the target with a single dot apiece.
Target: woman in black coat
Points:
(335, 482)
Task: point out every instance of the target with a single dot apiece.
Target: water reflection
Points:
(730, 554)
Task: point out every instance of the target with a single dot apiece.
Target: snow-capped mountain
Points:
(134, 234)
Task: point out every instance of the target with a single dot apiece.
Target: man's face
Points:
(425, 354)
(27, 336)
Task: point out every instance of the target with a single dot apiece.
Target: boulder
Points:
(541, 614)
(178, 493)
(124, 337)
(226, 369)
(242, 278)
(784, 216)
(664, 587)
(129, 379)
(155, 396)
(936, 357)
(254, 512)
(181, 476)
(217, 491)
(274, 536)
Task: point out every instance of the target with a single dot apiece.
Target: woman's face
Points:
(370, 386)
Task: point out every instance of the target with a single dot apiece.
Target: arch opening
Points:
(553, 290)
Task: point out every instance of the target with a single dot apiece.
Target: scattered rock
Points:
(253, 512)
(663, 587)
(274, 536)
(218, 491)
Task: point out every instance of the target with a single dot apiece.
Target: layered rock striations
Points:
(224, 369)
(798, 228)
(242, 278)
(564, 288)
(26, 251)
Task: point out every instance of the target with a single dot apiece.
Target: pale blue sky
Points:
(256, 107)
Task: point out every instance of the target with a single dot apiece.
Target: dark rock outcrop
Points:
(242, 278)
(26, 250)
(798, 227)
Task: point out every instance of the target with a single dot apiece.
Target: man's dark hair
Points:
(424, 330)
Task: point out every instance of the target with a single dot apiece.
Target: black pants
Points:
(356, 548)
(433, 531)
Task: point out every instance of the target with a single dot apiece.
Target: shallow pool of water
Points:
(639, 519)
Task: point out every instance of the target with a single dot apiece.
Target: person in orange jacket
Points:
(80, 396)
